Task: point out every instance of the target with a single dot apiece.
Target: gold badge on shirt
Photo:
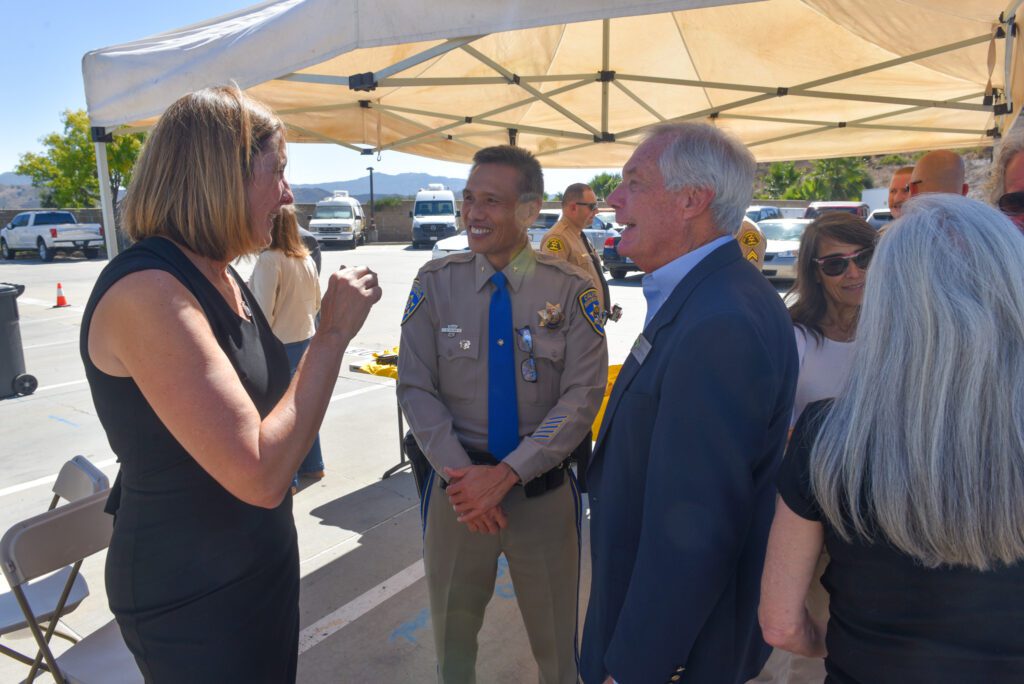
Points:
(551, 316)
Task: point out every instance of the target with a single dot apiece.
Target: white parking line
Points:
(14, 489)
(359, 606)
(50, 344)
(356, 393)
(61, 384)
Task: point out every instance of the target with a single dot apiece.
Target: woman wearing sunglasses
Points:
(913, 477)
(835, 251)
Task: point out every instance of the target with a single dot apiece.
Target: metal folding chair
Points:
(44, 544)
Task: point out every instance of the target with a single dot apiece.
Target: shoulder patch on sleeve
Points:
(590, 305)
(554, 245)
(416, 297)
(750, 238)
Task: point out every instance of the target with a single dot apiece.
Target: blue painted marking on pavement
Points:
(407, 630)
(63, 420)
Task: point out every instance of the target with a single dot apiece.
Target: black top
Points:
(894, 620)
(204, 587)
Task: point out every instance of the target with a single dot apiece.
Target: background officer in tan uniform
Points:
(498, 439)
(566, 240)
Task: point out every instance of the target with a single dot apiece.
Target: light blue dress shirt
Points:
(659, 284)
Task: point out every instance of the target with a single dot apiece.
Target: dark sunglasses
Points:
(1012, 203)
(529, 366)
(589, 205)
(837, 265)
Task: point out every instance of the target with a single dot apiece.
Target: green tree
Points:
(780, 177)
(65, 173)
(604, 183)
(842, 178)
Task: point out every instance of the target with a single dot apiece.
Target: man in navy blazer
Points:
(682, 478)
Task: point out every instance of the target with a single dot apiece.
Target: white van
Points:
(338, 220)
(433, 215)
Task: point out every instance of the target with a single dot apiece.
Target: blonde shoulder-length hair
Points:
(285, 234)
(190, 182)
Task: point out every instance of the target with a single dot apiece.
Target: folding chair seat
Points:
(49, 542)
(77, 479)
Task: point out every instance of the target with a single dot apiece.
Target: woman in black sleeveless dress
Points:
(194, 393)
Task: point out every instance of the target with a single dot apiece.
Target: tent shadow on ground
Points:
(391, 638)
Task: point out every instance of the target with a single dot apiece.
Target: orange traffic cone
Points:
(62, 301)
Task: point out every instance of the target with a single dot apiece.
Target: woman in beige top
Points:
(287, 288)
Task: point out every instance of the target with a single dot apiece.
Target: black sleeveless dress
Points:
(205, 588)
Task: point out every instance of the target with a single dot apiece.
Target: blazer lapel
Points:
(719, 258)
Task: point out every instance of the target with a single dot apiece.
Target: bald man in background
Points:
(899, 190)
(938, 171)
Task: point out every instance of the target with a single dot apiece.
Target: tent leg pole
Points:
(106, 200)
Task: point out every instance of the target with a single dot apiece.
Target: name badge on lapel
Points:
(641, 348)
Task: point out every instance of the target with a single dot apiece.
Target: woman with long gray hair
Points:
(913, 478)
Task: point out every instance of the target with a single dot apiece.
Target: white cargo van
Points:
(338, 220)
(433, 215)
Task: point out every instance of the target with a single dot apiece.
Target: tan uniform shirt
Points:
(442, 361)
(565, 241)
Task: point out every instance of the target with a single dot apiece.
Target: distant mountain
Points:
(11, 178)
(19, 196)
(384, 185)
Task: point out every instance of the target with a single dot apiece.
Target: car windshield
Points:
(333, 213)
(545, 221)
(53, 218)
(434, 208)
(782, 230)
(607, 220)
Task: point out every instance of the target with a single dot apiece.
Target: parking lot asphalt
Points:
(364, 608)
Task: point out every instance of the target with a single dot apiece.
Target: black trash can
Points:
(13, 378)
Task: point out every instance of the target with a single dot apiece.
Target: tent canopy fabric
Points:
(577, 81)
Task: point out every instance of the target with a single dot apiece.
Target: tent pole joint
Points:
(605, 137)
(364, 104)
(841, 124)
(781, 92)
(994, 133)
(363, 82)
(513, 134)
(468, 119)
(1003, 108)
(606, 76)
(100, 134)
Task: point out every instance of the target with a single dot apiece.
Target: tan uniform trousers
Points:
(541, 544)
(784, 667)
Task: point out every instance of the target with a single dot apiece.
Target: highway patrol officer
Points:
(501, 370)
(566, 240)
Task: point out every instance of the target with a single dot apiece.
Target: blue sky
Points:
(43, 76)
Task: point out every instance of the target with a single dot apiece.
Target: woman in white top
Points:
(287, 288)
(835, 251)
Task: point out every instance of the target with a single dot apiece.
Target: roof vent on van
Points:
(435, 186)
(340, 193)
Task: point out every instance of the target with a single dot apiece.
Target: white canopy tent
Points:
(578, 80)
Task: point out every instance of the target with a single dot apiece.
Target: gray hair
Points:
(1011, 145)
(924, 447)
(702, 156)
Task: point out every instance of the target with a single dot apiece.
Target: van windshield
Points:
(333, 213)
(435, 208)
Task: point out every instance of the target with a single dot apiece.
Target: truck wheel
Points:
(618, 274)
(5, 251)
(91, 252)
(24, 384)
(45, 253)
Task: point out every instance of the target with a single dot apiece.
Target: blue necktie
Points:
(502, 411)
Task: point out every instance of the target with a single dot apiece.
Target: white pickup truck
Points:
(49, 232)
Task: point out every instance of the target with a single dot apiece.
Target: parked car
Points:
(460, 242)
(758, 213)
(816, 209)
(879, 217)
(616, 264)
(546, 219)
(780, 255)
(600, 228)
(49, 232)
